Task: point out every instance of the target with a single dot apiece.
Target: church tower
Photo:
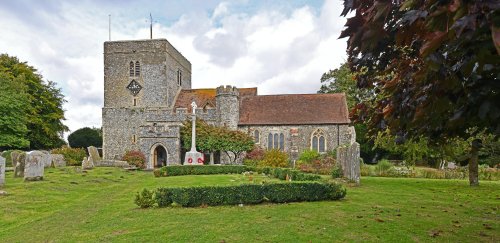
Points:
(228, 106)
(140, 77)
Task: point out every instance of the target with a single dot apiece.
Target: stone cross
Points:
(193, 104)
(193, 130)
(193, 157)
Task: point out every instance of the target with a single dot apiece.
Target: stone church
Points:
(147, 96)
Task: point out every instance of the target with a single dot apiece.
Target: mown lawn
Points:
(71, 206)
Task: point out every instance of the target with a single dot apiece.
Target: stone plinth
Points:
(34, 166)
(194, 158)
(2, 171)
(348, 159)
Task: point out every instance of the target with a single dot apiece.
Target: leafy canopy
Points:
(40, 101)
(434, 64)
(85, 137)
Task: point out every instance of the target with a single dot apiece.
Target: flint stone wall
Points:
(348, 159)
(2, 171)
(34, 166)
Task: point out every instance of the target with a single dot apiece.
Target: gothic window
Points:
(276, 141)
(179, 77)
(137, 69)
(270, 141)
(256, 136)
(318, 141)
(131, 69)
(282, 142)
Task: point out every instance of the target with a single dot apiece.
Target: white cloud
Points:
(279, 50)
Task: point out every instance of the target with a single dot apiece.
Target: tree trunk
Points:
(473, 163)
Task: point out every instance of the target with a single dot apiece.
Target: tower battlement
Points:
(227, 90)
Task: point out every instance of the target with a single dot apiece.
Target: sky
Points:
(281, 46)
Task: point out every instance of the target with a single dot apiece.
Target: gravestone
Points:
(34, 166)
(47, 159)
(2, 171)
(58, 160)
(94, 154)
(87, 163)
(14, 156)
(20, 162)
(348, 159)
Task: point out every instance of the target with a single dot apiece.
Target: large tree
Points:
(13, 108)
(211, 139)
(434, 64)
(85, 137)
(44, 113)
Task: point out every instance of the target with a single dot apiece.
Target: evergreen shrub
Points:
(249, 194)
(73, 156)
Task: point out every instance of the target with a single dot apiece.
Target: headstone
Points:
(94, 154)
(34, 166)
(112, 163)
(87, 163)
(47, 159)
(14, 156)
(2, 171)
(20, 162)
(452, 165)
(58, 160)
(348, 159)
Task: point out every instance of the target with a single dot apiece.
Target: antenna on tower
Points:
(150, 26)
(109, 27)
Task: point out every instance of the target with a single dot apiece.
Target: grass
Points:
(98, 205)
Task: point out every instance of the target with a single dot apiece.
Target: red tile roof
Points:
(294, 109)
(203, 97)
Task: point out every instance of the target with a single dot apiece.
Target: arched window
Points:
(282, 142)
(276, 141)
(137, 69)
(256, 136)
(131, 69)
(318, 141)
(270, 141)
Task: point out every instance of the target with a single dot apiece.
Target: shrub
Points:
(281, 173)
(73, 156)
(249, 194)
(145, 199)
(257, 154)
(308, 156)
(274, 158)
(250, 162)
(337, 172)
(136, 158)
(382, 167)
(85, 137)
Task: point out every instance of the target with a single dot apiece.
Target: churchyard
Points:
(70, 204)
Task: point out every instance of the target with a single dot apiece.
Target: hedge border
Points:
(280, 173)
(249, 194)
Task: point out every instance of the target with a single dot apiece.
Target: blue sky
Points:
(277, 46)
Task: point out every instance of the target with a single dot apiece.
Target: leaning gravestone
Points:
(58, 160)
(20, 162)
(2, 171)
(94, 154)
(87, 163)
(348, 159)
(34, 166)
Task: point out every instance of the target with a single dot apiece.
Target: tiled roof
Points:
(203, 97)
(294, 109)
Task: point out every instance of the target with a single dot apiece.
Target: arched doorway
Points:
(159, 156)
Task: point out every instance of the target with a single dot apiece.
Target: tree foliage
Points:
(211, 138)
(433, 64)
(13, 108)
(85, 137)
(42, 105)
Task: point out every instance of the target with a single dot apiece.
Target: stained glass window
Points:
(282, 142)
(270, 141)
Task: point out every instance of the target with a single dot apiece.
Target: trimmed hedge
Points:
(249, 194)
(178, 170)
(280, 173)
